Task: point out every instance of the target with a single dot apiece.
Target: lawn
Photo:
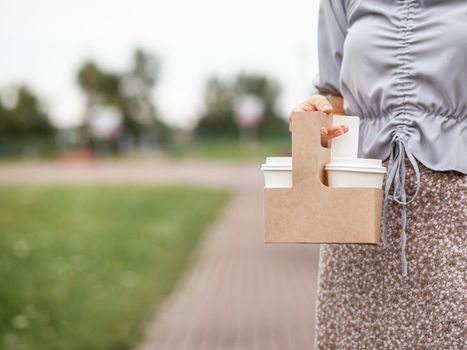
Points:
(84, 267)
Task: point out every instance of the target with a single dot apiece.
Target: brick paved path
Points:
(241, 294)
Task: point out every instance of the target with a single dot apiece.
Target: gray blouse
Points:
(401, 66)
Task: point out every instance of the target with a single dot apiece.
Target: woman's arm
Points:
(337, 103)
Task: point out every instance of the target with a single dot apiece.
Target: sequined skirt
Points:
(364, 302)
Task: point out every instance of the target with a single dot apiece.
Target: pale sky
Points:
(43, 42)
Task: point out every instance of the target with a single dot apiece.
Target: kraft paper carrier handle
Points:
(311, 212)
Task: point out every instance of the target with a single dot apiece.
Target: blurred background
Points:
(131, 138)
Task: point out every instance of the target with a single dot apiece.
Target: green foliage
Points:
(268, 91)
(84, 267)
(25, 117)
(145, 69)
(129, 91)
(98, 85)
(25, 128)
(217, 120)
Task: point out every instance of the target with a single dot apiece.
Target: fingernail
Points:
(338, 132)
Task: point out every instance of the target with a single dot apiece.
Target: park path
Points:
(241, 294)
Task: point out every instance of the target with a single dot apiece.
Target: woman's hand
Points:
(319, 103)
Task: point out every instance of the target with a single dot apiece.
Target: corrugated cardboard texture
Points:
(311, 212)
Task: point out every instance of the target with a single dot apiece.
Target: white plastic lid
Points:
(347, 164)
(356, 164)
(277, 163)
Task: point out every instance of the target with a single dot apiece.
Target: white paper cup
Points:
(355, 172)
(277, 172)
(342, 172)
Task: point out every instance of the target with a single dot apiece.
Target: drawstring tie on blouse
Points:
(396, 179)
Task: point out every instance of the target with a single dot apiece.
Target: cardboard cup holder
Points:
(310, 211)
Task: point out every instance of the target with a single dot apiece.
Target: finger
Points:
(305, 107)
(334, 128)
(310, 104)
(337, 130)
(330, 136)
(321, 104)
(344, 127)
(325, 108)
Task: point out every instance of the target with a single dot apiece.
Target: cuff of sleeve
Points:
(325, 87)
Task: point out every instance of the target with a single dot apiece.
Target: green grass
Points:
(232, 150)
(85, 267)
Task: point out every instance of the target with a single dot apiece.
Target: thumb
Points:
(324, 106)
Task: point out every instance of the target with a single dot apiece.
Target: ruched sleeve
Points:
(332, 29)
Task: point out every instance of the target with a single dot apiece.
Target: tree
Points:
(103, 88)
(25, 117)
(4, 120)
(99, 86)
(268, 91)
(137, 88)
(130, 92)
(217, 119)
